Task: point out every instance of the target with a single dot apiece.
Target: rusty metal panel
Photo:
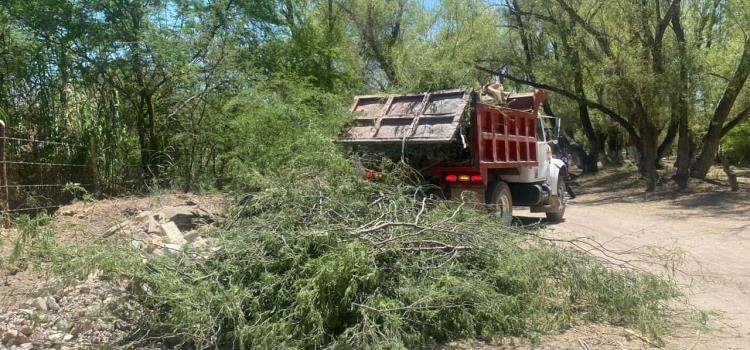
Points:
(431, 117)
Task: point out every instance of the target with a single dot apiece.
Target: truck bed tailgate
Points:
(433, 117)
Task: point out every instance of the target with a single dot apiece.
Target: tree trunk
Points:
(680, 107)
(141, 125)
(684, 154)
(712, 139)
(154, 161)
(614, 143)
(649, 157)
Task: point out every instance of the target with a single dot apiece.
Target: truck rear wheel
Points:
(501, 202)
(561, 196)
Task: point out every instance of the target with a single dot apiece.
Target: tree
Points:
(624, 65)
(719, 126)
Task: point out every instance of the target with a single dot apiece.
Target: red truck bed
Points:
(499, 136)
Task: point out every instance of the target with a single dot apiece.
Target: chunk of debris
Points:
(172, 232)
(152, 227)
(191, 236)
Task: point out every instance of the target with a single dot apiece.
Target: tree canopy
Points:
(157, 83)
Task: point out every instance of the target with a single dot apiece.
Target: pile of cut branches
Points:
(318, 257)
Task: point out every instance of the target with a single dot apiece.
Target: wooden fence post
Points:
(92, 166)
(5, 170)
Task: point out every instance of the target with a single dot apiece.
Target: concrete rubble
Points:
(93, 314)
(168, 230)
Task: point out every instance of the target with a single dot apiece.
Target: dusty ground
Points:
(707, 227)
(96, 313)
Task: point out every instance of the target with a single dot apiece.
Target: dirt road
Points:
(708, 225)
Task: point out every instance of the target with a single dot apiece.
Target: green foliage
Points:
(295, 275)
(736, 145)
(441, 51)
(78, 192)
(279, 121)
(321, 258)
(34, 238)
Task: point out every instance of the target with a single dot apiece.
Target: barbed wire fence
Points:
(40, 184)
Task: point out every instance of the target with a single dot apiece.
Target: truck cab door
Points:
(543, 151)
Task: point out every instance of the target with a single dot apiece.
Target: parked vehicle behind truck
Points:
(499, 150)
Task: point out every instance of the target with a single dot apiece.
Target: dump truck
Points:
(499, 150)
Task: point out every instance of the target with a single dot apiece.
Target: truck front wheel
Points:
(500, 201)
(563, 200)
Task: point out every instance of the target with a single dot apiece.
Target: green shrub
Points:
(736, 145)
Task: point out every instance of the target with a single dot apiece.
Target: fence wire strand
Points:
(41, 163)
(39, 142)
(49, 185)
(28, 209)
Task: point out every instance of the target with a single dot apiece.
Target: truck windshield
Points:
(550, 127)
(539, 130)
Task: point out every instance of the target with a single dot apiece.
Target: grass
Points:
(320, 258)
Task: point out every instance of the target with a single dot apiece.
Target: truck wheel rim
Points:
(562, 195)
(503, 210)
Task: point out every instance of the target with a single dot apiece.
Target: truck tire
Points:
(561, 194)
(501, 201)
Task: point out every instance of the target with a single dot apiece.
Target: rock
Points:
(172, 248)
(199, 243)
(9, 336)
(26, 330)
(52, 304)
(143, 215)
(40, 303)
(152, 227)
(55, 336)
(185, 217)
(62, 324)
(114, 229)
(191, 236)
(84, 326)
(20, 339)
(137, 244)
(67, 337)
(173, 233)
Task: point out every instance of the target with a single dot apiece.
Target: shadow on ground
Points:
(612, 187)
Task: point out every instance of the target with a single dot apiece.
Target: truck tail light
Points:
(374, 175)
(464, 178)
